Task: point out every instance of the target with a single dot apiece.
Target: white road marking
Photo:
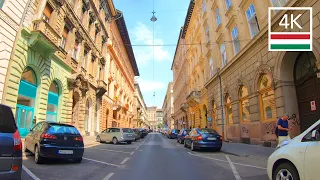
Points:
(131, 153)
(112, 151)
(125, 160)
(137, 148)
(30, 173)
(142, 143)
(234, 170)
(108, 176)
(240, 164)
(101, 162)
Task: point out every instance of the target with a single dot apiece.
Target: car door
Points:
(108, 134)
(34, 136)
(312, 158)
(188, 138)
(103, 135)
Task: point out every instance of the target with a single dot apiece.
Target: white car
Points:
(297, 158)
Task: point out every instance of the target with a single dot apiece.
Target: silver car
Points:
(116, 135)
(10, 146)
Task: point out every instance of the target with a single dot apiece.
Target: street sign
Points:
(313, 105)
(209, 119)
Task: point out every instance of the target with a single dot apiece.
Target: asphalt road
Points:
(154, 158)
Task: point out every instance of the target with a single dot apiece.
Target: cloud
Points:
(149, 86)
(143, 35)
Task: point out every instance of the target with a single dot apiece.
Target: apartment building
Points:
(168, 108)
(140, 114)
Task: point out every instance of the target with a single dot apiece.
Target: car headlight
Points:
(283, 143)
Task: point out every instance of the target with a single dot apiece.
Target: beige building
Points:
(70, 65)
(140, 113)
(168, 108)
(152, 118)
(249, 87)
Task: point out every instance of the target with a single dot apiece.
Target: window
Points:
(266, 98)
(223, 54)
(235, 40)
(7, 123)
(85, 58)
(62, 129)
(64, 36)
(208, 34)
(252, 21)
(204, 8)
(47, 13)
(203, 78)
(218, 20)
(228, 4)
(279, 3)
(211, 67)
(228, 109)
(96, 33)
(53, 101)
(244, 104)
(76, 50)
(1, 3)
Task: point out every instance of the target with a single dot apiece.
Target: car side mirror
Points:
(315, 135)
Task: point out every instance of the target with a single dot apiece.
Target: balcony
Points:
(193, 98)
(43, 36)
(184, 107)
(116, 105)
(101, 88)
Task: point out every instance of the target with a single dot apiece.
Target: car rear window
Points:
(127, 130)
(60, 129)
(208, 131)
(7, 122)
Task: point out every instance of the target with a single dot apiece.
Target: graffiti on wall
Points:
(270, 127)
(295, 120)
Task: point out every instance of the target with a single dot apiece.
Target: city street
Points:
(154, 157)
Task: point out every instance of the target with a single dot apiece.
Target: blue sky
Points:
(171, 15)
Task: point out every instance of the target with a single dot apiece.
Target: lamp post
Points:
(221, 103)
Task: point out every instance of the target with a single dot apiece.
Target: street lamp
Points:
(221, 103)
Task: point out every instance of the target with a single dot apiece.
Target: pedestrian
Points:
(283, 129)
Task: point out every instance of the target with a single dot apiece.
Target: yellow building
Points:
(247, 86)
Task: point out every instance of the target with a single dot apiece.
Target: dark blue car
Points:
(173, 134)
(182, 134)
(203, 138)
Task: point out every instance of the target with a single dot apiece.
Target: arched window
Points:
(244, 104)
(228, 109)
(266, 98)
(53, 102)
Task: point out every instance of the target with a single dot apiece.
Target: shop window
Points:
(266, 98)
(228, 106)
(53, 102)
(252, 21)
(47, 12)
(244, 104)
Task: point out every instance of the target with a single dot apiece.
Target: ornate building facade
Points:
(141, 117)
(64, 63)
(247, 87)
(168, 108)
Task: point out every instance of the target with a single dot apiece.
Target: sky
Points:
(171, 15)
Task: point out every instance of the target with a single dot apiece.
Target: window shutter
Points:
(48, 11)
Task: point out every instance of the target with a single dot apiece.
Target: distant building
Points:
(151, 111)
(167, 107)
(140, 113)
(159, 117)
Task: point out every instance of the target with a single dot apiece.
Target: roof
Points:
(127, 43)
(188, 18)
(177, 47)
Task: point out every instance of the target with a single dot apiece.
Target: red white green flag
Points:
(290, 41)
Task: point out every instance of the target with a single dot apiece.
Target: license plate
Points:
(212, 139)
(130, 135)
(65, 151)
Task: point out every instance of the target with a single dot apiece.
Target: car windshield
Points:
(127, 130)
(62, 129)
(7, 122)
(208, 131)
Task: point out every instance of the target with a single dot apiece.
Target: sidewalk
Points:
(247, 150)
(89, 140)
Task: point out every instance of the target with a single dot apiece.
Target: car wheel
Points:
(78, 160)
(285, 171)
(192, 148)
(98, 139)
(129, 142)
(37, 157)
(115, 140)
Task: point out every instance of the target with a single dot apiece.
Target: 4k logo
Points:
(295, 36)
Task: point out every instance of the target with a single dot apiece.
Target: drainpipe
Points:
(221, 104)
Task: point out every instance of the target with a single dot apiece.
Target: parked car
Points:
(143, 132)
(116, 135)
(182, 134)
(297, 158)
(10, 145)
(173, 134)
(54, 140)
(203, 138)
(137, 134)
